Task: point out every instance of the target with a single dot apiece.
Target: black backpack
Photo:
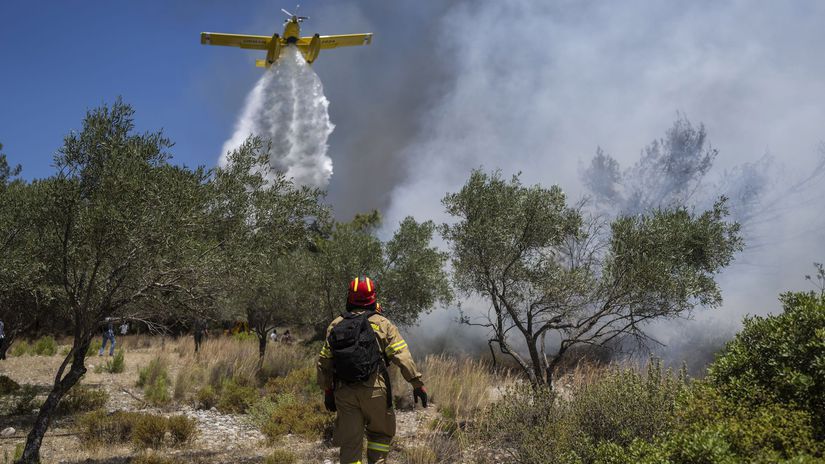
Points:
(355, 351)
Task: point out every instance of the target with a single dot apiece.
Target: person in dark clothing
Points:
(200, 331)
(2, 340)
(108, 335)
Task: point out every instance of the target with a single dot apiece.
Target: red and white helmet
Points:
(361, 292)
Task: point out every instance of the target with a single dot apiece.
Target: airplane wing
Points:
(254, 42)
(335, 41)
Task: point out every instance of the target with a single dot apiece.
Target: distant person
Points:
(108, 336)
(286, 337)
(124, 329)
(2, 340)
(273, 337)
(199, 333)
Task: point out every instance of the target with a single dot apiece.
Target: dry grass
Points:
(461, 389)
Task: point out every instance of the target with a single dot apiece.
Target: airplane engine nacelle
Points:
(313, 49)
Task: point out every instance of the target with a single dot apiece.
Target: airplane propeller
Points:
(299, 18)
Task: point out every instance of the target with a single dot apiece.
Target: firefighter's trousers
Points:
(363, 408)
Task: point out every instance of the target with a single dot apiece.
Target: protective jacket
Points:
(392, 345)
(364, 406)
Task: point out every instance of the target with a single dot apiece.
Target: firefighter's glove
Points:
(421, 393)
(329, 400)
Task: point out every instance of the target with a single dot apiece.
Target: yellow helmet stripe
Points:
(355, 285)
(369, 286)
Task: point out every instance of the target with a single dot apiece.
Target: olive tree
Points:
(408, 270)
(123, 236)
(264, 220)
(556, 278)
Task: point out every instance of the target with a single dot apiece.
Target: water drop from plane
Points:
(288, 107)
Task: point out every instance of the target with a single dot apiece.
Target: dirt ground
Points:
(222, 438)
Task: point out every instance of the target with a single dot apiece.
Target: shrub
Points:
(82, 399)
(154, 379)
(116, 365)
(292, 405)
(21, 348)
(244, 337)
(25, 403)
(94, 347)
(618, 407)
(149, 430)
(157, 368)
(143, 430)
(8, 386)
(182, 429)
(290, 415)
(190, 377)
(281, 457)
(157, 393)
(206, 397)
(235, 398)
(779, 358)
(45, 346)
(154, 459)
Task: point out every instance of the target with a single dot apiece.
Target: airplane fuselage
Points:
(292, 30)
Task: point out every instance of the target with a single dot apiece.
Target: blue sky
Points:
(61, 58)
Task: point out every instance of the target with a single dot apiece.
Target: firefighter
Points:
(352, 371)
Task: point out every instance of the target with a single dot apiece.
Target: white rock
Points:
(7, 432)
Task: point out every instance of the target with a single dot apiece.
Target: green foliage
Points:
(235, 398)
(546, 268)
(21, 348)
(291, 405)
(45, 346)
(143, 430)
(157, 368)
(8, 386)
(154, 379)
(280, 456)
(779, 358)
(116, 365)
(82, 398)
(618, 407)
(94, 348)
(244, 337)
(25, 401)
(206, 397)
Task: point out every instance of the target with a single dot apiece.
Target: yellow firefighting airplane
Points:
(309, 46)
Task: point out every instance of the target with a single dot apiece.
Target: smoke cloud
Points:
(288, 107)
(536, 86)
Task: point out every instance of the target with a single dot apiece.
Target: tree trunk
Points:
(536, 360)
(5, 343)
(31, 452)
(261, 345)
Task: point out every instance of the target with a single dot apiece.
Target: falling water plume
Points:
(288, 107)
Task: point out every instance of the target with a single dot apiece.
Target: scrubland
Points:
(761, 401)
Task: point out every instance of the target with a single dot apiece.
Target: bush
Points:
(618, 407)
(235, 398)
(190, 377)
(157, 368)
(143, 430)
(779, 358)
(182, 429)
(292, 405)
(154, 379)
(94, 347)
(149, 430)
(244, 337)
(157, 393)
(25, 400)
(116, 365)
(45, 346)
(154, 459)
(8, 386)
(206, 398)
(21, 348)
(281, 457)
(82, 399)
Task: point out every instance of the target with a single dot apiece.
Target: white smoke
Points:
(288, 108)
